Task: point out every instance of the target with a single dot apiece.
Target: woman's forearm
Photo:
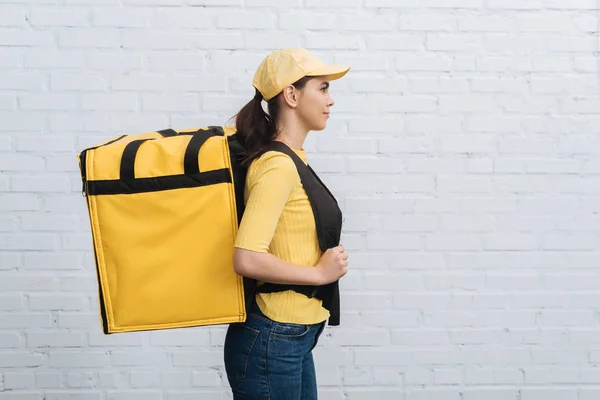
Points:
(268, 268)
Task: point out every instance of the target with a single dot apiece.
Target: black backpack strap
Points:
(329, 294)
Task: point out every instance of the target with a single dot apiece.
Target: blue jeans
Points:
(270, 360)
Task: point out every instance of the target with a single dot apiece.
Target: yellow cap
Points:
(284, 67)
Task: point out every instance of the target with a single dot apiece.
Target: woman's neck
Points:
(292, 135)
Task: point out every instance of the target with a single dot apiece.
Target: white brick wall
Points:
(463, 149)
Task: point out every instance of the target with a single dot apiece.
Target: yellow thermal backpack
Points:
(155, 201)
(164, 212)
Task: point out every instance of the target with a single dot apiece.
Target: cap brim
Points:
(332, 71)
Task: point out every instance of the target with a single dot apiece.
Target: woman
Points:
(270, 355)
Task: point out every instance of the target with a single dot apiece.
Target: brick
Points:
(17, 37)
(78, 395)
(81, 380)
(54, 339)
(119, 18)
(320, 41)
(86, 38)
(59, 18)
(20, 359)
(11, 302)
(76, 359)
(186, 102)
(245, 20)
(395, 42)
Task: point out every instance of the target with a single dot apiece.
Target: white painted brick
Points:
(8, 224)
(321, 41)
(78, 320)
(429, 21)
(40, 183)
(188, 337)
(13, 16)
(54, 339)
(207, 379)
(485, 23)
(395, 42)
(453, 3)
(420, 337)
(17, 37)
(186, 102)
(46, 102)
(428, 63)
(125, 340)
(549, 394)
(120, 379)
(11, 302)
(8, 102)
(399, 319)
(380, 393)
(355, 377)
(78, 359)
(495, 85)
(137, 395)
(74, 396)
(18, 380)
(122, 18)
(274, 3)
(21, 241)
(83, 38)
(589, 393)
(437, 42)
(382, 358)
(491, 394)
(272, 40)
(81, 380)
(433, 394)
(245, 20)
(21, 396)
(137, 358)
(72, 82)
(176, 380)
(512, 242)
(145, 379)
(439, 241)
(114, 62)
(366, 22)
(20, 359)
(515, 4)
(438, 85)
(56, 302)
(9, 340)
(110, 102)
(298, 20)
(572, 5)
(70, 17)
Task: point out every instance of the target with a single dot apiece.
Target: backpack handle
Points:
(190, 159)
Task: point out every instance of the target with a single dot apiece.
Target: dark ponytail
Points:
(255, 128)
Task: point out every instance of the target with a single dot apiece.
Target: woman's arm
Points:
(267, 267)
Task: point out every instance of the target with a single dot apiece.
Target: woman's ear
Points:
(290, 96)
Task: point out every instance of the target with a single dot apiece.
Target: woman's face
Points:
(314, 103)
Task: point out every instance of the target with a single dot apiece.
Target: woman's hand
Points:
(333, 264)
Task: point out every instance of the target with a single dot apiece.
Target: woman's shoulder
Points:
(275, 167)
(274, 160)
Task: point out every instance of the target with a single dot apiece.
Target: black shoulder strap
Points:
(329, 294)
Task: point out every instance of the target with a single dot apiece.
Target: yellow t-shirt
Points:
(278, 219)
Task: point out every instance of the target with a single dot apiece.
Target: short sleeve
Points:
(270, 182)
